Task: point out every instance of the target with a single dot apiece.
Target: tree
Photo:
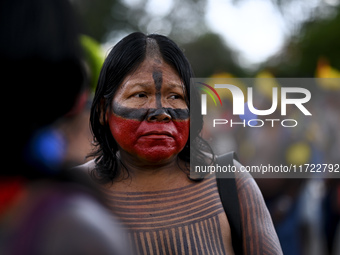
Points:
(318, 38)
(209, 54)
(182, 20)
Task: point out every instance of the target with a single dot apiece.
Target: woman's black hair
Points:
(123, 59)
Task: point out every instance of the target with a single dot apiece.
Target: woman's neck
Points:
(137, 175)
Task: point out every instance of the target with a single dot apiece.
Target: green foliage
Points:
(94, 58)
(317, 38)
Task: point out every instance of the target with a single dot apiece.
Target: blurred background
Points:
(246, 38)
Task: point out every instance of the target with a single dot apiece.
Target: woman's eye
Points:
(176, 97)
(140, 95)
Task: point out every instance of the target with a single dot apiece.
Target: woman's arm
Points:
(259, 235)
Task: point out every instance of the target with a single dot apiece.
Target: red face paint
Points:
(140, 123)
(150, 141)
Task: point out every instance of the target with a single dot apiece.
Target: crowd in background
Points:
(306, 210)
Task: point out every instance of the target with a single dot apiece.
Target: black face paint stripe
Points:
(158, 79)
(142, 113)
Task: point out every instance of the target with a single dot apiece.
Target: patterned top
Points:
(187, 220)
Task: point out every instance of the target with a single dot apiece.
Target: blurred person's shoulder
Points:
(65, 215)
(83, 218)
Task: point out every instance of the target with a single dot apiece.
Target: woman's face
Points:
(150, 118)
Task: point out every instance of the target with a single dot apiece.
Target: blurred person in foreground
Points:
(43, 208)
(140, 121)
(75, 127)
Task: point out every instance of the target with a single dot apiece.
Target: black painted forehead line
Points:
(153, 51)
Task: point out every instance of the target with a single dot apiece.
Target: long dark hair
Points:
(124, 58)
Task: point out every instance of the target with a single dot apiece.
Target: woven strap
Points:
(228, 192)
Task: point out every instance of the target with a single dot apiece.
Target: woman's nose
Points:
(158, 115)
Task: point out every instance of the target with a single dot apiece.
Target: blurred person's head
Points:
(42, 76)
(144, 83)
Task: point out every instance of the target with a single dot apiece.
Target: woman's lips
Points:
(167, 133)
(157, 135)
